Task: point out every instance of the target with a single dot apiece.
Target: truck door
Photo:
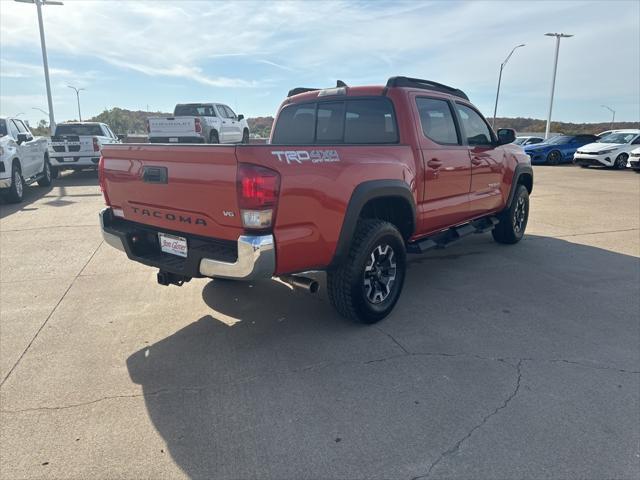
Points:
(236, 127)
(487, 161)
(29, 152)
(446, 164)
(226, 127)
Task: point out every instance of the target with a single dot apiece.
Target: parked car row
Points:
(608, 149)
(26, 159)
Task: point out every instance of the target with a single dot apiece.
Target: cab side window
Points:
(475, 128)
(437, 121)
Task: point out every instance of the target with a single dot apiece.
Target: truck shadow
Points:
(57, 190)
(273, 384)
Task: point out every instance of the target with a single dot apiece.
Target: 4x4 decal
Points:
(313, 156)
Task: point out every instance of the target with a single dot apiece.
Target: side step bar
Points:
(442, 239)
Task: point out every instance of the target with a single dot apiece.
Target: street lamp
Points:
(39, 4)
(613, 119)
(502, 65)
(553, 80)
(77, 90)
(43, 111)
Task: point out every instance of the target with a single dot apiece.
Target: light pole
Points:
(613, 119)
(41, 110)
(45, 63)
(553, 80)
(502, 65)
(77, 90)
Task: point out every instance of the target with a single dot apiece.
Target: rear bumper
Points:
(179, 140)
(58, 161)
(251, 257)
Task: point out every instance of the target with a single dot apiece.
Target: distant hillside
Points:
(128, 121)
(534, 125)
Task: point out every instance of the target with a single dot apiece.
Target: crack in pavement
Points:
(456, 447)
(49, 316)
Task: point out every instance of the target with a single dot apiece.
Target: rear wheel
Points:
(47, 176)
(554, 157)
(367, 285)
(16, 191)
(513, 220)
(213, 137)
(621, 161)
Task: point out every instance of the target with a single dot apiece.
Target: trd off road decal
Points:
(300, 156)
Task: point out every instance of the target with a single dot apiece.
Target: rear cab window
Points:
(79, 130)
(354, 121)
(194, 111)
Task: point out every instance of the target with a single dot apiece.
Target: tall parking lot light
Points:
(39, 3)
(613, 119)
(553, 79)
(77, 90)
(502, 65)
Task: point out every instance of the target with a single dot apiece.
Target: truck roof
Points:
(341, 88)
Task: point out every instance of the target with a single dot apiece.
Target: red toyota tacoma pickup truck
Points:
(353, 179)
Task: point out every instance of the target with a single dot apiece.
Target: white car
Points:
(77, 145)
(23, 159)
(524, 141)
(199, 123)
(634, 160)
(610, 151)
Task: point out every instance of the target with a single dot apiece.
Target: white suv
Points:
(610, 151)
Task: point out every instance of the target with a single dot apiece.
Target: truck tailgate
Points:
(190, 189)
(178, 126)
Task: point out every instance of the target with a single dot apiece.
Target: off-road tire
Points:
(213, 137)
(47, 174)
(346, 284)
(15, 193)
(55, 172)
(512, 226)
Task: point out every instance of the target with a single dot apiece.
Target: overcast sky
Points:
(132, 54)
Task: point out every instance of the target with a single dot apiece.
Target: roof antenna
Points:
(340, 83)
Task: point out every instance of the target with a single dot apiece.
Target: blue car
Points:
(558, 149)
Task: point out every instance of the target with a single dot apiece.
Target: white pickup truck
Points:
(77, 145)
(199, 123)
(23, 159)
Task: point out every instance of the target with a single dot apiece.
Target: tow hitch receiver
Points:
(168, 278)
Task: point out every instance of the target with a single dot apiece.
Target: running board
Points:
(442, 239)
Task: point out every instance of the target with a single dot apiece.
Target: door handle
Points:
(434, 163)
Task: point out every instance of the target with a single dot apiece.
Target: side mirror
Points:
(22, 137)
(240, 117)
(506, 135)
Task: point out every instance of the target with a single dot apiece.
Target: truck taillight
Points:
(198, 125)
(102, 181)
(96, 145)
(258, 189)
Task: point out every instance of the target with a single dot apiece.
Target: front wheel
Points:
(554, 157)
(16, 191)
(367, 285)
(47, 176)
(513, 220)
(621, 161)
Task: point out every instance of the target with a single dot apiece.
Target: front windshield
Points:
(3, 127)
(618, 138)
(560, 139)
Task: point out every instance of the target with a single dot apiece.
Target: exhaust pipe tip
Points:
(304, 283)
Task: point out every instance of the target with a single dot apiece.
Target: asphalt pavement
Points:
(499, 362)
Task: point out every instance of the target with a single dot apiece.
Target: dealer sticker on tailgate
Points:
(172, 244)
